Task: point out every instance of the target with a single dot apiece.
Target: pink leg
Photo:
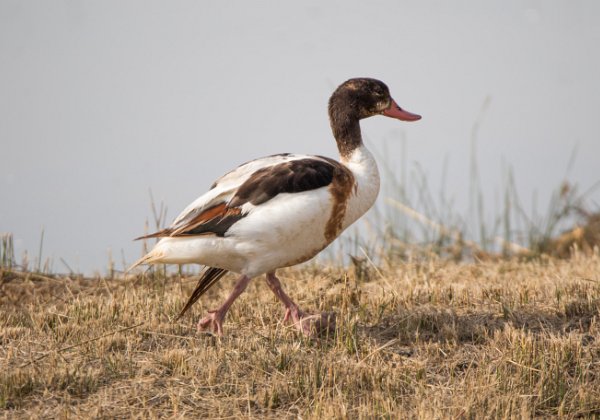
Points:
(215, 318)
(308, 324)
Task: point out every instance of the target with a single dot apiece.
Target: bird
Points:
(280, 210)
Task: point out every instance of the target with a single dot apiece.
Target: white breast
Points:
(364, 168)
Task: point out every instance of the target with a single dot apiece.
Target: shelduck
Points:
(280, 210)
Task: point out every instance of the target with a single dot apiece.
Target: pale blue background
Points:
(102, 100)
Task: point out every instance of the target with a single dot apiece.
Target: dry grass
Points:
(433, 339)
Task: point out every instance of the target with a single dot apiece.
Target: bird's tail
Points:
(152, 257)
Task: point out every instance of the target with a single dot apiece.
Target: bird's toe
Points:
(213, 321)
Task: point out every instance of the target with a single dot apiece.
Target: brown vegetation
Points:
(585, 236)
(427, 339)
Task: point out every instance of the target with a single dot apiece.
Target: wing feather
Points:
(233, 196)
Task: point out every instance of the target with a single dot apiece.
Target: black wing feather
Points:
(290, 177)
(210, 276)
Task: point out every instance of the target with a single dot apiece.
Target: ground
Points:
(416, 339)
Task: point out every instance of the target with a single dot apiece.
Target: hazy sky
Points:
(101, 101)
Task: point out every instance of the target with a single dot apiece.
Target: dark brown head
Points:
(363, 97)
(356, 99)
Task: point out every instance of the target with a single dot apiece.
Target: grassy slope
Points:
(433, 339)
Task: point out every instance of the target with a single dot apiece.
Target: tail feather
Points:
(210, 276)
(150, 258)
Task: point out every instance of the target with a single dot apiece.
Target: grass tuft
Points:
(433, 339)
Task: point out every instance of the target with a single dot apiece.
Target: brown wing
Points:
(213, 220)
(288, 177)
(294, 176)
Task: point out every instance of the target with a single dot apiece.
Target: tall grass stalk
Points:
(39, 261)
(7, 251)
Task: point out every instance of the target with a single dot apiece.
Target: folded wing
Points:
(236, 194)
